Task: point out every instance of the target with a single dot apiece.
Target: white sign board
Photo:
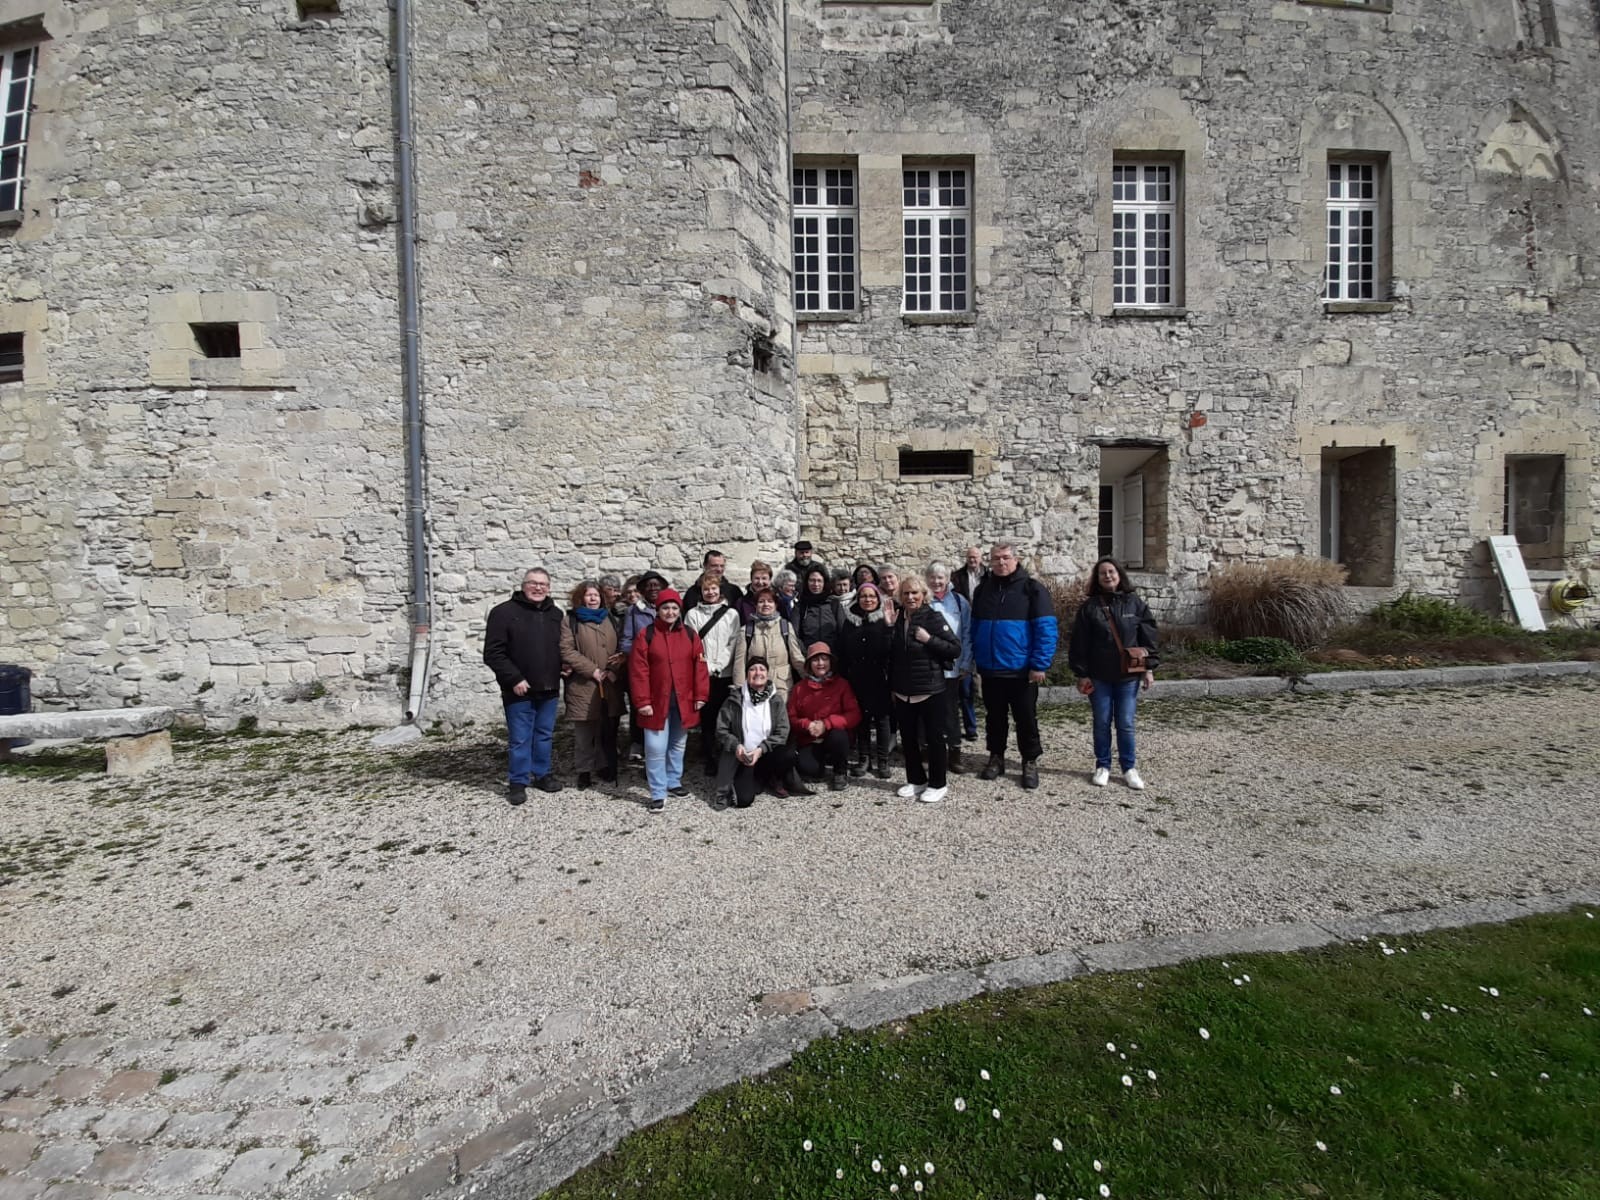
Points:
(1508, 561)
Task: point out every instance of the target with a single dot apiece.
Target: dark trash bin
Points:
(15, 695)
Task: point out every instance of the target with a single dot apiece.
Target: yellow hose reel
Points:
(1567, 596)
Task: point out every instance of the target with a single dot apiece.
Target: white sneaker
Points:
(1133, 779)
(911, 791)
(1101, 776)
(934, 795)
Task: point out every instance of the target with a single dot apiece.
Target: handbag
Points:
(1132, 657)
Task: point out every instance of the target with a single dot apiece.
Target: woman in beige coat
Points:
(594, 682)
(771, 637)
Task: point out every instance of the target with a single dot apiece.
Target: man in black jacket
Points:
(522, 646)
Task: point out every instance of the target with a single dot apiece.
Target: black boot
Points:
(793, 785)
(1030, 772)
(953, 765)
(994, 768)
(836, 781)
(880, 764)
(584, 779)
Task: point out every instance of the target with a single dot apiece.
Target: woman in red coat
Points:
(669, 684)
(822, 712)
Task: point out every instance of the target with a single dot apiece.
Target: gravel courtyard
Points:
(296, 965)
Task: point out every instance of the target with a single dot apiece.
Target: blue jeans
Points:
(1114, 701)
(663, 754)
(969, 705)
(531, 728)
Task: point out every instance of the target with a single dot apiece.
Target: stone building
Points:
(1186, 280)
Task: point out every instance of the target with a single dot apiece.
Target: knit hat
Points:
(668, 596)
(817, 648)
(755, 660)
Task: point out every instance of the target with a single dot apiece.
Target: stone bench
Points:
(136, 738)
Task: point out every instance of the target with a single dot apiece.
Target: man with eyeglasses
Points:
(522, 646)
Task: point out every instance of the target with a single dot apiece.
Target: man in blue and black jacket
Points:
(1013, 643)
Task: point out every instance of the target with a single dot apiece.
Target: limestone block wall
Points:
(608, 330)
(1484, 333)
(217, 533)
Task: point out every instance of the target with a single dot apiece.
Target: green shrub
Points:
(1297, 600)
(1434, 616)
(1260, 651)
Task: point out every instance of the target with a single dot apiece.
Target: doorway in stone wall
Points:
(1360, 512)
(1132, 526)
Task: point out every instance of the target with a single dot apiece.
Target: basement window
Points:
(10, 358)
(217, 340)
(317, 8)
(928, 464)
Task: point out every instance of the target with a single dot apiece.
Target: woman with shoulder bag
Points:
(594, 683)
(1113, 656)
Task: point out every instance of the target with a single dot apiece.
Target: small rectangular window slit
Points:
(923, 463)
(219, 340)
(10, 358)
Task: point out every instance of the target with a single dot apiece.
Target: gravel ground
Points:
(305, 903)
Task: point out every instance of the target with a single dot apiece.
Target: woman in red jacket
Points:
(669, 684)
(822, 712)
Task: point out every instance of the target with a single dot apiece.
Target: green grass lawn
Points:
(1452, 1065)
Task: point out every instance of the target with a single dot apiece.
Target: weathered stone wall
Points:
(606, 334)
(192, 531)
(1492, 131)
(605, 241)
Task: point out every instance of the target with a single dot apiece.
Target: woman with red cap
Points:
(822, 712)
(668, 681)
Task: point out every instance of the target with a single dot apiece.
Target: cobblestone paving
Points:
(295, 967)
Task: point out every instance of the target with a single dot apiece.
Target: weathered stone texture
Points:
(610, 359)
(1493, 206)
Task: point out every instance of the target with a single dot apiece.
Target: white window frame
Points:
(1353, 230)
(825, 237)
(936, 242)
(1146, 234)
(19, 67)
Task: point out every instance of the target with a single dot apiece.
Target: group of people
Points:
(809, 673)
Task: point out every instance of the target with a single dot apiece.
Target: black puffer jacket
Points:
(917, 668)
(864, 654)
(523, 642)
(1092, 653)
(819, 620)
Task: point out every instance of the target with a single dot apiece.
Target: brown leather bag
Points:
(1133, 657)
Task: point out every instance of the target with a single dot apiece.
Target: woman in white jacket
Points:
(722, 632)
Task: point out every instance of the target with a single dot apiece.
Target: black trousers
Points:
(1013, 696)
(952, 715)
(745, 780)
(872, 736)
(720, 688)
(831, 752)
(923, 725)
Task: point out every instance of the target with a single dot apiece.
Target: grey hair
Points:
(611, 581)
(936, 568)
(784, 576)
(533, 571)
(1011, 546)
(886, 569)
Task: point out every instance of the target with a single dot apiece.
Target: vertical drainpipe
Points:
(411, 367)
(786, 241)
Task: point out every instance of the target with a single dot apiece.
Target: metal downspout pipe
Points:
(411, 368)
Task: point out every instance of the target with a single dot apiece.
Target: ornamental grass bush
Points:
(1067, 595)
(1296, 599)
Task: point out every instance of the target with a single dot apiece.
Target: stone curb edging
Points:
(535, 1151)
(1340, 681)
